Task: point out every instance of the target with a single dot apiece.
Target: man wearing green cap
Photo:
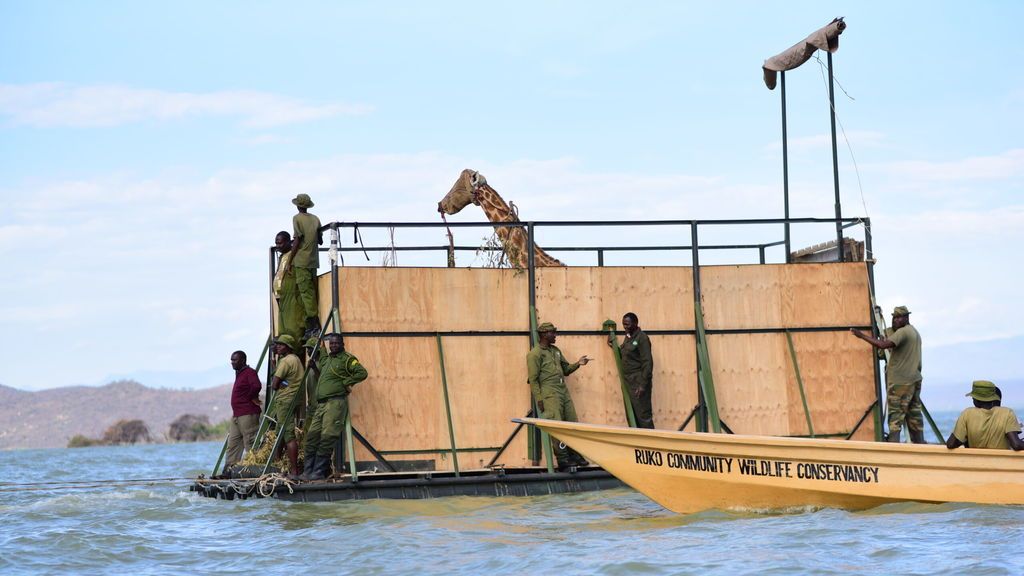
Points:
(286, 382)
(546, 370)
(987, 425)
(902, 375)
(339, 372)
(306, 259)
(291, 315)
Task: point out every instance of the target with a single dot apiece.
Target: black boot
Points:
(308, 466)
(917, 437)
(312, 328)
(894, 436)
(322, 469)
(577, 460)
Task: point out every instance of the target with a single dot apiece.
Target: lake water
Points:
(161, 528)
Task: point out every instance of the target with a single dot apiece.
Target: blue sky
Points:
(148, 152)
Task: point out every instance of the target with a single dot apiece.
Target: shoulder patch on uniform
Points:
(353, 361)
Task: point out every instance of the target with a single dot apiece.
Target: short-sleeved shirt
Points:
(904, 365)
(289, 369)
(307, 226)
(980, 428)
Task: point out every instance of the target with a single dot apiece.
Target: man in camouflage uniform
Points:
(306, 259)
(546, 371)
(286, 382)
(902, 375)
(339, 372)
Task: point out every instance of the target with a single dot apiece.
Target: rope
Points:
(856, 169)
(87, 484)
(268, 483)
(358, 237)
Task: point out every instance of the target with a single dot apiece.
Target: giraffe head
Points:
(462, 193)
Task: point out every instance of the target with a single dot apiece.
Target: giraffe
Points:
(473, 187)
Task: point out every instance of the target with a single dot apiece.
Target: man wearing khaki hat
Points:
(546, 370)
(286, 382)
(987, 425)
(902, 375)
(306, 259)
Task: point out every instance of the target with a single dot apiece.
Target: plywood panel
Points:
(825, 295)
(400, 404)
(751, 382)
(486, 389)
(582, 298)
(785, 296)
(675, 381)
(838, 375)
(432, 299)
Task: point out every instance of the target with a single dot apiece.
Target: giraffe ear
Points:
(477, 180)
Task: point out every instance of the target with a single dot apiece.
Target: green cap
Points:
(900, 311)
(984, 391)
(303, 201)
(286, 339)
(312, 342)
(546, 327)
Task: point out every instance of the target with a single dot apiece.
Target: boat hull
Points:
(689, 472)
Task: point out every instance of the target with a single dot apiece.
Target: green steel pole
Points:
(707, 382)
(447, 406)
(935, 428)
(609, 326)
(800, 383)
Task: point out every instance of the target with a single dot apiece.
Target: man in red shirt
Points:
(245, 409)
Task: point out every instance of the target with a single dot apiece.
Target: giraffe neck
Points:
(513, 239)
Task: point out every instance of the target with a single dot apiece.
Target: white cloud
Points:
(1009, 164)
(67, 105)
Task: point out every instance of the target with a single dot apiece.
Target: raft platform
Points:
(530, 481)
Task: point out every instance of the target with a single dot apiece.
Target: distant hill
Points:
(48, 418)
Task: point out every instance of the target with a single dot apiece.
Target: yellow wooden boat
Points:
(690, 471)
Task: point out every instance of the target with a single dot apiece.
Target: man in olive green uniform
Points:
(290, 313)
(638, 369)
(546, 370)
(339, 372)
(306, 259)
(286, 382)
(987, 425)
(902, 375)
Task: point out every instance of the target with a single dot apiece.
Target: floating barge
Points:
(536, 481)
(754, 348)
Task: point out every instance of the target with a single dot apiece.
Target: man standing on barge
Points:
(902, 375)
(286, 383)
(546, 371)
(245, 409)
(306, 259)
(291, 315)
(339, 372)
(638, 369)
